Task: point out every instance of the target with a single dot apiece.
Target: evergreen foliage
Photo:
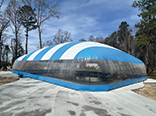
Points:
(27, 18)
(146, 34)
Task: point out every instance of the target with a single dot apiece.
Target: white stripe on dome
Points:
(74, 50)
(52, 51)
(35, 54)
(20, 58)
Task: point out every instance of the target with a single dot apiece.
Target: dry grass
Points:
(149, 91)
(4, 80)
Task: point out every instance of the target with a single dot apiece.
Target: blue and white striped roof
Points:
(79, 50)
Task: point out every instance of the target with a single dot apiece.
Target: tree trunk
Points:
(26, 44)
(40, 39)
(146, 56)
(7, 57)
(147, 59)
(0, 52)
(16, 39)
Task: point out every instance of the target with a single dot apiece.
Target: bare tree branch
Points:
(12, 14)
(61, 37)
(1, 3)
(45, 10)
(27, 2)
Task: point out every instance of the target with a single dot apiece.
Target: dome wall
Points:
(87, 66)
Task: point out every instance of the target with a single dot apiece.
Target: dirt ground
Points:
(4, 80)
(149, 91)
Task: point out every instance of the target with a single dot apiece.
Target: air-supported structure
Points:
(87, 66)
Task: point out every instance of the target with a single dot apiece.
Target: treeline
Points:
(19, 15)
(31, 14)
(121, 39)
(143, 44)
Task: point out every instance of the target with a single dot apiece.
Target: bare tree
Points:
(97, 39)
(27, 2)
(91, 38)
(61, 37)
(12, 14)
(1, 3)
(45, 10)
(82, 39)
(20, 50)
(4, 23)
(6, 51)
(47, 43)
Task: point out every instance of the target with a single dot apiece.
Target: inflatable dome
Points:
(87, 66)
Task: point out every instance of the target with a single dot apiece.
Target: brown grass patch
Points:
(4, 80)
(149, 91)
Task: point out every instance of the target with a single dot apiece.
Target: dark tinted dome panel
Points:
(86, 66)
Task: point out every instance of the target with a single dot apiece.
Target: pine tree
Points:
(146, 33)
(28, 20)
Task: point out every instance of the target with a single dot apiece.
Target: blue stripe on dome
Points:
(63, 49)
(17, 58)
(107, 54)
(27, 56)
(42, 53)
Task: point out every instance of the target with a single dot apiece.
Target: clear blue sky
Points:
(86, 17)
